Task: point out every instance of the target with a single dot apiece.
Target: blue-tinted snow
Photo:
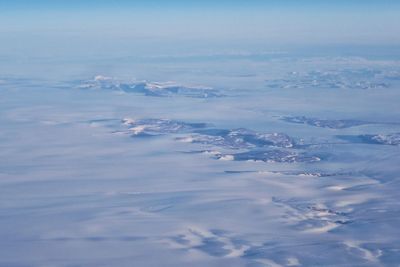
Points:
(381, 139)
(241, 138)
(336, 79)
(324, 123)
(159, 126)
(98, 178)
(161, 89)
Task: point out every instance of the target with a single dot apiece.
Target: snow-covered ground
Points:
(278, 161)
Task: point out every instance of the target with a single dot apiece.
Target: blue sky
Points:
(52, 5)
(179, 23)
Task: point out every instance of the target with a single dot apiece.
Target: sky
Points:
(45, 25)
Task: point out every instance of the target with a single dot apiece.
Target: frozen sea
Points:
(246, 159)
